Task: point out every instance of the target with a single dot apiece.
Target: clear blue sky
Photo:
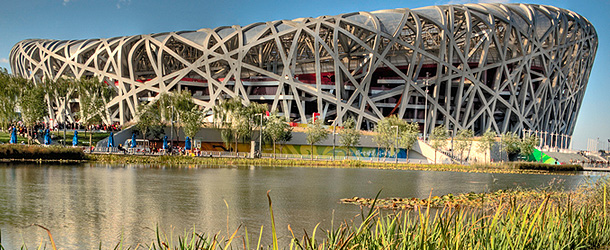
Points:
(83, 19)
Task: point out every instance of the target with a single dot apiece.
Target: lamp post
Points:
(171, 130)
(544, 139)
(501, 148)
(426, 107)
(334, 134)
(260, 135)
(452, 134)
(396, 146)
(63, 101)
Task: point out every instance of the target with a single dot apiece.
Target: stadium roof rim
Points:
(497, 9)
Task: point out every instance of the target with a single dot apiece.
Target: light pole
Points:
(545, 138)
(334, 133)
(501, 148)
(426, 108)
(260, 136)
(452, 134)
(171, 130)
(63, 100)
(396, 145)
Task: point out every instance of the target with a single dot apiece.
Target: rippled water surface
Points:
(85, 205)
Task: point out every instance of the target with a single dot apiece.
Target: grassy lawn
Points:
(5, 137)
(83, 139)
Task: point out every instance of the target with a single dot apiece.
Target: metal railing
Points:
(111, 150)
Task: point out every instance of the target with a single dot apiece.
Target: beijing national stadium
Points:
(506, 67)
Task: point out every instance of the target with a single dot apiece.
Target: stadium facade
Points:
(508, 67)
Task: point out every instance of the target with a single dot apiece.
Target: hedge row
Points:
(547, 167)
(17, 152)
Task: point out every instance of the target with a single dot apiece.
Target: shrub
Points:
(16, 152)
(547, 167)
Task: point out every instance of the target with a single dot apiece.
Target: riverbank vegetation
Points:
(536, 219)
(544, 167)
(501, 220)
(507, 220)
(187, 161)
(16, 153)
(489, 200)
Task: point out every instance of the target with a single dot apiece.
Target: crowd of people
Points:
(39, 129)
(177, 150)
(171, 150)
(71, 125)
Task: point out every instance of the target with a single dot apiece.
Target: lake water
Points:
(85, 205)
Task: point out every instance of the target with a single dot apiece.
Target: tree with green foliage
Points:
(233, 119)
(315, 133)
(148, 118)
(192, 122)
(182, 103)
(510, 143)
(58, 94)
(252, 111)
(385, 136)
(8, 97)
(350, 135)
(276, 129)
(407, 135)
(33, 105)
(283, 139)
(528, 145)
(463, 141)
(240, 128)
(487, 141)
(223, 114)
(93, 96)
(165, 106)
(392, 133)
(438, 139)
(250, 114)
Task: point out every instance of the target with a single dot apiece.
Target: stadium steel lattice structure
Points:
(508, 67)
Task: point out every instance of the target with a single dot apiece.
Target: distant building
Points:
(508, 67)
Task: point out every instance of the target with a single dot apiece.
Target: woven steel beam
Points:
(507, 67)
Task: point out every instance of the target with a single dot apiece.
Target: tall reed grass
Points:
(576, 221)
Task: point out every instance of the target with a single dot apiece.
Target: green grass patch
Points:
(5, 137)
(83, 138)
